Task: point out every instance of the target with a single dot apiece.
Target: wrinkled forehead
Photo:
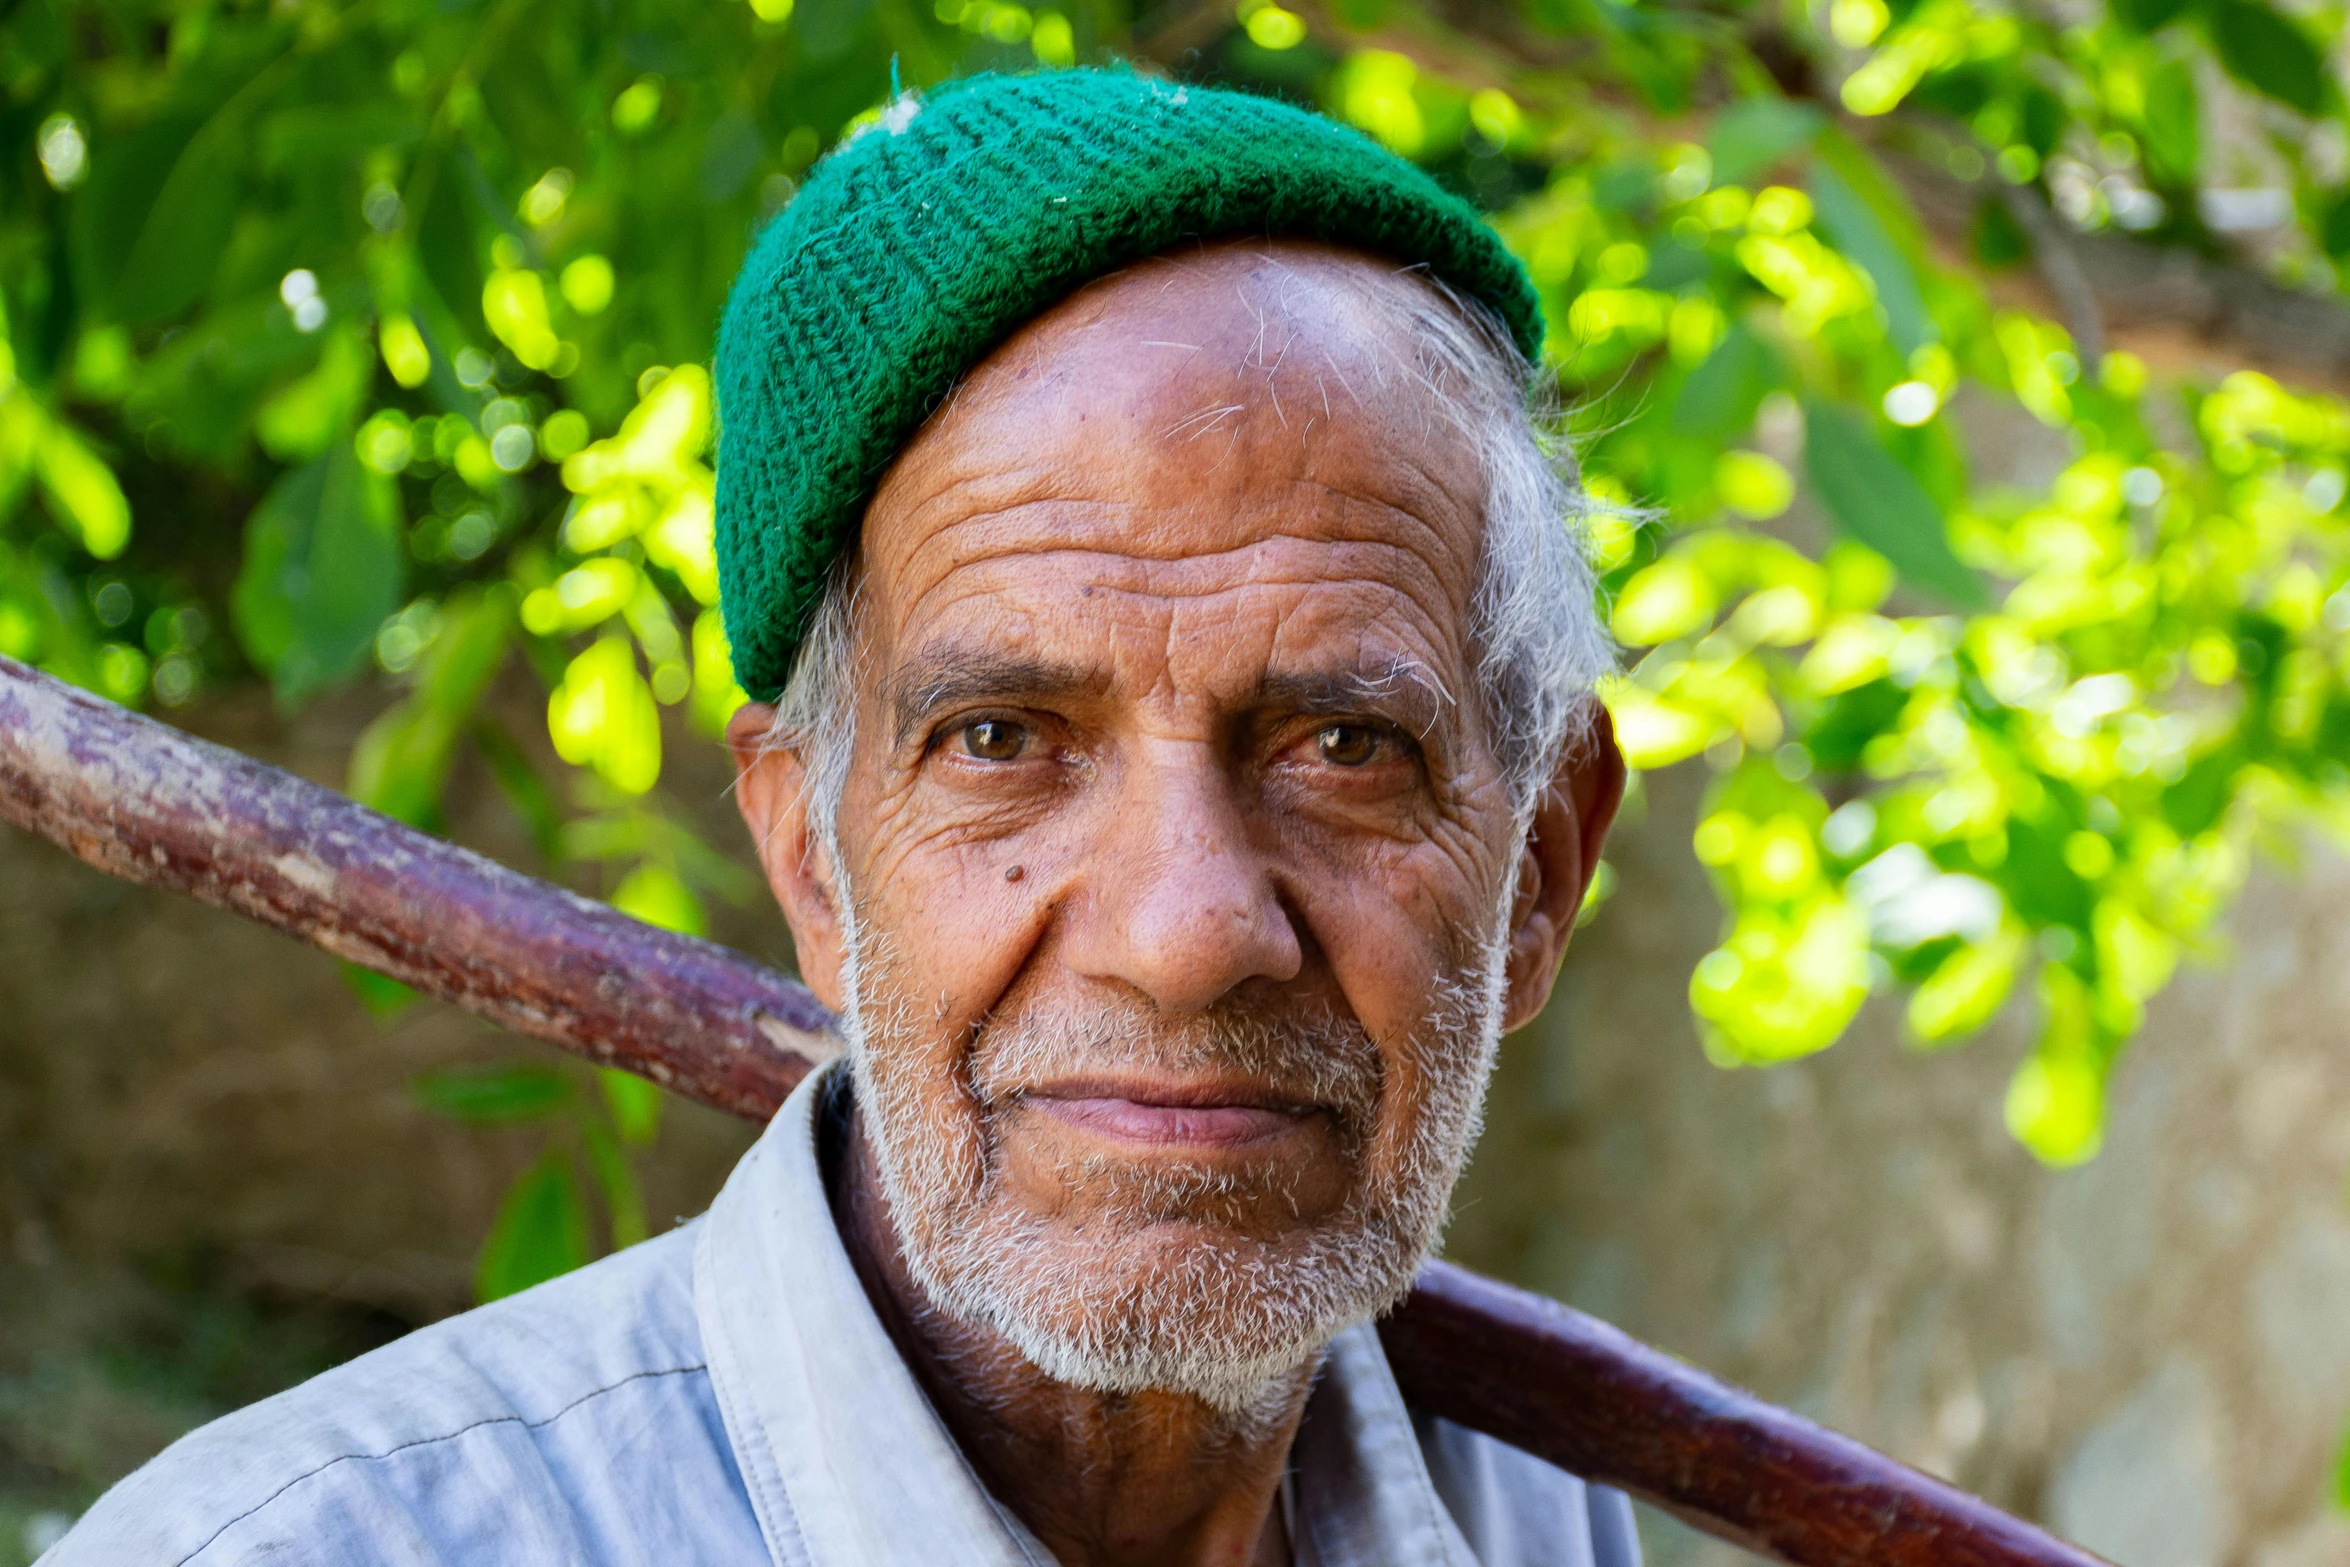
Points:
(1251, 437)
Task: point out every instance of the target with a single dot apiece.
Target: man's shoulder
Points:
(505, 1424)
(1514, 1509)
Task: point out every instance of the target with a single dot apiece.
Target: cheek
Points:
(954, 918)
(1397, 924)
(1408, 940)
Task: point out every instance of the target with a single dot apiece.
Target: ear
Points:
(770, 789)
(1556, 865)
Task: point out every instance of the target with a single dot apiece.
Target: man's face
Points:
(1176, 878)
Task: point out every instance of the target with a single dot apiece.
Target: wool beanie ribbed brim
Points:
(926, 239)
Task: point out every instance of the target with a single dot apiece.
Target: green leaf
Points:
(1720, 396)
(525, 791)
(1837, 739)
(401, 764)
(107, 213)
(2040, 887)
(541, 1231)
(1996, 239)
(635, 1104)
(1754, 133)
(494, 1094)
(446, 250)
(323, 567)
(2044, 119)
(1849, 222)
(1883, 196)
(2268, 53)
(179, 241)
(2202, 793)
(383, 996)
(2333, 230)
(310, 415)
(2173, 125)
(82, 490)
(1874, 499)
(2146, 16)
(659, 896)
(624, 1197)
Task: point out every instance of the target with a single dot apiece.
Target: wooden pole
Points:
(144, 802)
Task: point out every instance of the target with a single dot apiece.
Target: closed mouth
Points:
(1171, 1112)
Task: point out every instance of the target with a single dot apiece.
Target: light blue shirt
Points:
(726, 1395)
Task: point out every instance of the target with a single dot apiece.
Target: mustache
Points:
(1312, 1054)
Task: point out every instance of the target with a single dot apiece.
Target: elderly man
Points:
(1179, 772)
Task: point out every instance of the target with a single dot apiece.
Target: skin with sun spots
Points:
(1161, 710)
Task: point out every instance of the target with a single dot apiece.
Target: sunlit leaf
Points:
(655, 894)
(1786, 983)
(1967, 990)
(313, 413)
(634, 1103)
(1655, 734)
(1670, 599)
(2056, 1100)
(82, 489)
(603, 716)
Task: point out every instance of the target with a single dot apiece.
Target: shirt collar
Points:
(847, 1462)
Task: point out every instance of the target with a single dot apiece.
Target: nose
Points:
(1178, 902)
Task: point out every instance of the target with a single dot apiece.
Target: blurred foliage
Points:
(542, 1225)
(368, 336)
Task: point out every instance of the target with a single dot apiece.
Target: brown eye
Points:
(1348, 745)
(994, 740)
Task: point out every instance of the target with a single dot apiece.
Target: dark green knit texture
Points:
(922, 243)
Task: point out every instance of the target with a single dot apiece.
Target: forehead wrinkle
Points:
(1177, 583)
(1123, 529)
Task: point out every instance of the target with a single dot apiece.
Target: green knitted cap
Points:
(923, 242)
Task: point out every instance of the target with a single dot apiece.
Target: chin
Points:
(1182, 1307)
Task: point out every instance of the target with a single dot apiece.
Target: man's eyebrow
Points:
(1402, 689)
(946, 677)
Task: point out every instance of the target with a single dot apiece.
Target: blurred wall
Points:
(2151, 1353)
(214, 1179)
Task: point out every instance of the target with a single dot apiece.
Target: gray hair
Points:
(1534, 617)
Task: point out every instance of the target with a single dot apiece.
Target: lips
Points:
(1172, 1115)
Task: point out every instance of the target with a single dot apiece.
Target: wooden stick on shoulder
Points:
(144, 802)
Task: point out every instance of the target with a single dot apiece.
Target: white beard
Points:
(1153, 1292)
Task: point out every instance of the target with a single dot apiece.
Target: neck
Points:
(1144, 1479)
